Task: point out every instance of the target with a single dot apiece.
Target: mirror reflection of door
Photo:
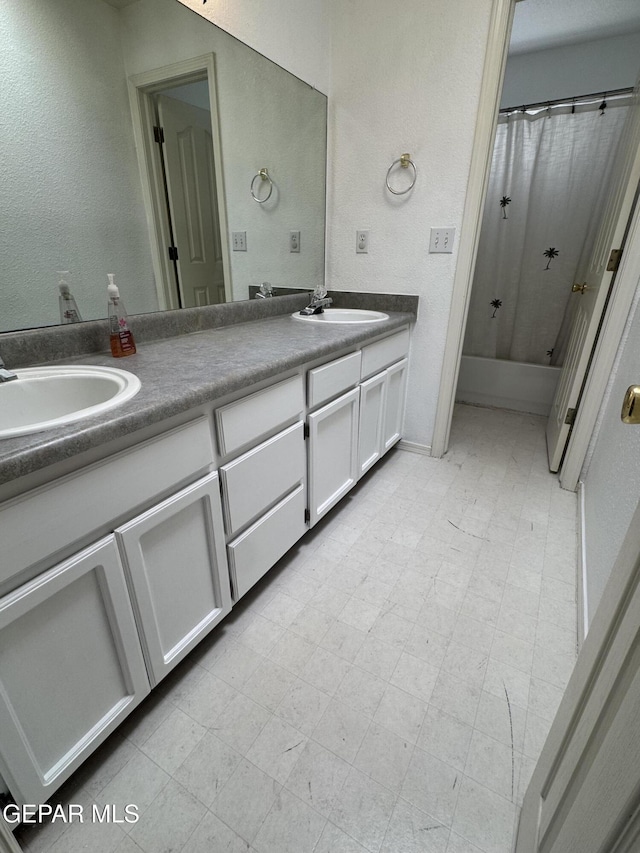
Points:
(188, 166)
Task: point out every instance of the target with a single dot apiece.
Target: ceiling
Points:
(540, 24)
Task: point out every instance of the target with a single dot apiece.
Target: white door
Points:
(333, 453)
(584, 795)
(174, 555)
(591, 301)
(71, 669)
(191, 186)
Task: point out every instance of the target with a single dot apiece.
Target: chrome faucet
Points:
(265, 291)
(6, 375)
(319, 301)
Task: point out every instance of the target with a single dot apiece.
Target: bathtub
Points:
(507, 384)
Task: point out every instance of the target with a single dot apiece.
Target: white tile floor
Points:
(387, 688)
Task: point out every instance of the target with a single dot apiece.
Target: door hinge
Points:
(307, 516)
(614, 260)
(158, 135)
(173, 253)
(305, 431)
(570, 417)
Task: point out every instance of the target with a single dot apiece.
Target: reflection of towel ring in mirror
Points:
(405, 161)
(263, 175)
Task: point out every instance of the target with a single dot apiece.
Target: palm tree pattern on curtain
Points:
(551, 254)
(504, 201)
(495, 304)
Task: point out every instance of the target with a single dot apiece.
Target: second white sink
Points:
(46, 397)
(343, 315)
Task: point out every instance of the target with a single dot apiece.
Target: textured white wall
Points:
(293, 33)
(71, 199)
(611, 482)
(577, 69)
(404, 79)
(268, 118)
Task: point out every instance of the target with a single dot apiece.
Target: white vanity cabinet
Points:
(382, 397)
(84, 635)
(175, 562)
(394, 400)
(112, 573)
(264, 489)
(333, 453)
(372, 411)
(333, 432)
(71, 669)
(382, 401)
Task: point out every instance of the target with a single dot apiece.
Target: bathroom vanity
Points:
(126, 539)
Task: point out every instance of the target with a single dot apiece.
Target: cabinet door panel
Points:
(332, 379)
(381, 353)
(372, 406)
(174, 554)
(247, 420)
(258, 479)
(396, 387)
(333, 453)
(98, 496)
(71, 668)
(253, 553)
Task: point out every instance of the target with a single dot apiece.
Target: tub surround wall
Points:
(507, 384)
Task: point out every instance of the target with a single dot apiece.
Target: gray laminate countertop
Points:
(183, 372)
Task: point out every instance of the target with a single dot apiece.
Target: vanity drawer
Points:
(376, 357)
(257, 479)
(253, 553)
(332, 379)
(49, 519)
(247, 420)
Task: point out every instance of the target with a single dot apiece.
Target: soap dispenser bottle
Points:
(120, 336)
(69, 312)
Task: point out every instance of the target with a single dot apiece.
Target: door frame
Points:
(616, 312)
(141, 87)
(579, 723)
(495, 64)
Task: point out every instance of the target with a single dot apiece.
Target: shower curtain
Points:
(546, 192)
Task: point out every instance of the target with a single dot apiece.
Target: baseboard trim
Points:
(581, 570)
(414, 447)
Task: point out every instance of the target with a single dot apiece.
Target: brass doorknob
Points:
(579, 288)
(631, 406)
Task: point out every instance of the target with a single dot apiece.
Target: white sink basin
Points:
(343, 315)
(45, 397)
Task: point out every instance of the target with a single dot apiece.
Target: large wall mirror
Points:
(183, 215)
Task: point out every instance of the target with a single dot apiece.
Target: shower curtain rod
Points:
(568, 101)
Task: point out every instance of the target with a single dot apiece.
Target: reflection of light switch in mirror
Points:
(442, 239)
(294, 241)
(362, 242)
(239, 239)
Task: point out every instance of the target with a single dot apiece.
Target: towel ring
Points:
(263, 174)
(405, 161)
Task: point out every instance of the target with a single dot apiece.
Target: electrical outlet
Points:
(239, 240)
(362, 242)
(294, 241)
(442, 240)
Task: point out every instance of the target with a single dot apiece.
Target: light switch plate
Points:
(294, 241)
(442, 240)
(239, 241)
